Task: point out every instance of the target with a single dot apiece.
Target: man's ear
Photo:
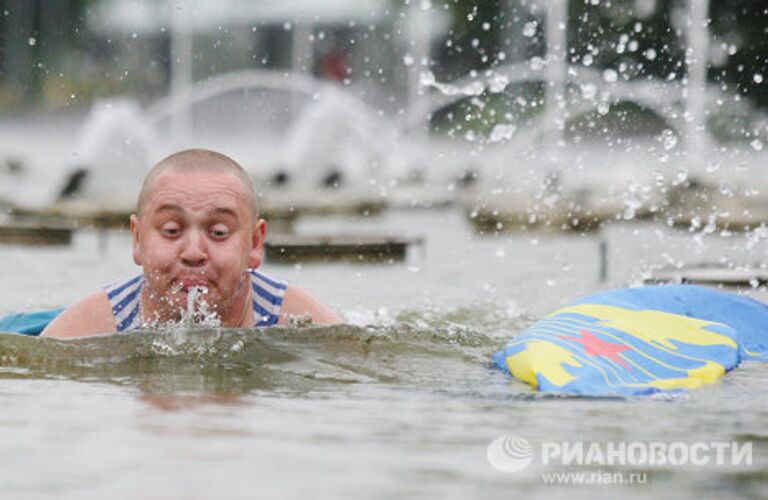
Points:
(257, 244)
(135, 237)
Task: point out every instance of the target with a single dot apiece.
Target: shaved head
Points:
(198, 160)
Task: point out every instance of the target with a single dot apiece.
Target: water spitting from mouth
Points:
(198, 311)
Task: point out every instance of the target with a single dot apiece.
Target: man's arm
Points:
(91, 316)
(297, 302)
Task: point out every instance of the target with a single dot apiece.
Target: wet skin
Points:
(196, 230)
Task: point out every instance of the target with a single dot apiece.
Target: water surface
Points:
(400, 402)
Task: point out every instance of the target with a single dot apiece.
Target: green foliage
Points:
(473, 39)
(742, 24)
(481, 114)
(615, 37)
(626, 119)
(598, 30)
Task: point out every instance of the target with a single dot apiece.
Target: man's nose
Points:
(194, 251)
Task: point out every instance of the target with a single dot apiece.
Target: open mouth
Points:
(186, 284)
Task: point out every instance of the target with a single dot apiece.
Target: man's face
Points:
(196, 230)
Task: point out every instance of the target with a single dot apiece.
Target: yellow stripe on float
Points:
(697, 377)
(543, 358)
(653, 326)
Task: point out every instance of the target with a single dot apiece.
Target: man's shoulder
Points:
(123, 286)
(289, 299)
(266, 280)
(90, 316)
(300, 303)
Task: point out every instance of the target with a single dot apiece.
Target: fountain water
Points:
(357, 142)
(681, 103)
(332, 132)
(335, 132)
(626, 178)
(363, 145)
(117, 143)
(696, 57)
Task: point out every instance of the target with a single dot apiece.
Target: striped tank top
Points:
(267, 298)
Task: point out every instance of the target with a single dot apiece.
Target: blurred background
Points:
(371, 92)
(517, 116)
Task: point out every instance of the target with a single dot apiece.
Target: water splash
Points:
(432, 349)
(198, 312)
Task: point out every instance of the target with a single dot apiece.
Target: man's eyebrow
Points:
(168, 207)
(224, 211)
(218, 211)
(178, 208)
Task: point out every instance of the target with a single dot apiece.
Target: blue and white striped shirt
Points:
(124, 296)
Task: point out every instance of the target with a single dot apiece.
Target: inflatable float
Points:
(28, 323)
(638, 341)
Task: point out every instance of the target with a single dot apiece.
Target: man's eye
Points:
(170, 231)
(219, 232)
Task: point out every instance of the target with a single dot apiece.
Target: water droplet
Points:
(589, 91)
(681, 177)
(502, 132)
(668, 139)
(408, 59)
(650, 54)
(537, 63)
(603, 108)
(757, 145)
(32, 41)
(529, 29)
(610, 75)
(758, 78)
(588, 60)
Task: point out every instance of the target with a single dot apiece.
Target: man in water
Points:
(199, 240)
